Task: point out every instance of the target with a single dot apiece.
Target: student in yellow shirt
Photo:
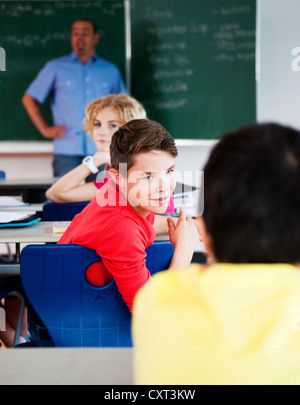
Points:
(236, 321)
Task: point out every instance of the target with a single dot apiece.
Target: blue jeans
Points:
(62, 164)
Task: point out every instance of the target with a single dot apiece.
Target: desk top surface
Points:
(27, 182)
(40, 232)
(62, 366)
(29, 207)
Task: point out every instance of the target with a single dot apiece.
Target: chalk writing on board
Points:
(174, 87)
(155, 14)
(29, 40)
(232, 10)
(160, 73)
(50, 8)
(107, 7)
(172, 104)
(168, 49)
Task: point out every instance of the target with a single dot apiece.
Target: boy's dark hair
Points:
(139, 136)
(252, 195)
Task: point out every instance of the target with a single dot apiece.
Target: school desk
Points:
(30, 190)
(43, 232)
(66, 366)
(17, 186)
(38, 208)
(15, 203)
(40, 232)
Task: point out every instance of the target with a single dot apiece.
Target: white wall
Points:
(34, 159)
(26, 159)
(192, 156)
(278, 71)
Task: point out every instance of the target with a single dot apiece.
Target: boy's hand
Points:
(184, 237)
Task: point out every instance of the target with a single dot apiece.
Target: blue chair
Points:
(62, 212)
(75, 313)
(2, 174)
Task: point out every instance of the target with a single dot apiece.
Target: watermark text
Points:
(2, 320)
(2, 60)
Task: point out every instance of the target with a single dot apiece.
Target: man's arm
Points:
(34, 112)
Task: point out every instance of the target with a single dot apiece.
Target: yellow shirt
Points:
(227, 324)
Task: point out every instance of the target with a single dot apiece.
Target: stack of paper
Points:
(9, 216)
(8, 201)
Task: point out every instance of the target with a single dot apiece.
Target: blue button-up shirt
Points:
(72, 85)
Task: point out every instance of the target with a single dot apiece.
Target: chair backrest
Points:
(75, 313)
(62, 212)
(2, 174)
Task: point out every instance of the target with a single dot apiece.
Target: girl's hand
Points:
(101, 158)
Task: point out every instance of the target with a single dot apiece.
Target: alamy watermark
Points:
(2, 60)
(2, 320)
(156, 189)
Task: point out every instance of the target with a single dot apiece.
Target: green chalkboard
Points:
(192, 61)
(32, 33)
(193, 64)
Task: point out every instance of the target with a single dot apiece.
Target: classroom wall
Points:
(278, 61)
(23, 163)
(26, 159)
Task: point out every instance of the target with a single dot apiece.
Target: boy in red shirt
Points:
(124, 217)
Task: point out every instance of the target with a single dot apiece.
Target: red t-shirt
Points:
(111, 227)
(99, 183)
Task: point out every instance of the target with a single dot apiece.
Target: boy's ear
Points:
(117, 177)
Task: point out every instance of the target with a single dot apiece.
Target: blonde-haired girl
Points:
(103, 117)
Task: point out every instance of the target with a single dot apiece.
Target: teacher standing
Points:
(72, 81)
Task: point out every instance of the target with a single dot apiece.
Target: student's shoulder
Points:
(169, 282)
(167, 289)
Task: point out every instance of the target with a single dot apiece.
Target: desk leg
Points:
(18, 252)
